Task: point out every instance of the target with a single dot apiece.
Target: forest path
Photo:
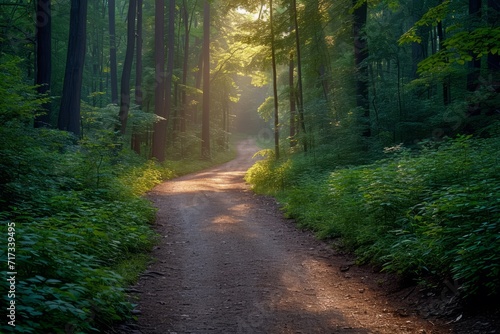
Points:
(229, 263)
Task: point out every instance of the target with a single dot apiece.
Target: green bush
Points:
(432, 214)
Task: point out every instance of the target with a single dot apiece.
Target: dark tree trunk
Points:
(43, 57)
(185, 64)
(475, 64)
(446, 81)
(300, 91)
(418, 49)
(494, 21)
(69, 114)
(170, 58)
(112, 52)
(136, 137)
(293, 110)
(160, 127)
(205, 128)
(275, 85)
(127, 66)
(360, 56)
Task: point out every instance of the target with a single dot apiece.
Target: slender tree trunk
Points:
(170, 58)
(300, 90)
(160, 127)
(136, 136)
(494, 21)
(127, 67)
(360, 56)
(205, 129)
(475, 64)
(446, 81)
(112, 52)
(185, 64)
(293, 110)
(43, 57)
(69, 114)
(275, 85)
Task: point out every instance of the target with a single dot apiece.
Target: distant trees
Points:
(360, 74)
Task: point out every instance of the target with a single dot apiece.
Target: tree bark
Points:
(494, 21)
(170, 59)
(69, 114)
(446, 83)
(136, 137)
(275, 85)
(475, 64)
(43, 57)
(293, 110)
(112, 52)
(127, 67)
(300, 91)
(205, 128)
(160, 127)
(360, 56)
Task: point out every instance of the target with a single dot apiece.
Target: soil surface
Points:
(228, 262)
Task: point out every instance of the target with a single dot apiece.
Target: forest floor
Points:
(228, 262)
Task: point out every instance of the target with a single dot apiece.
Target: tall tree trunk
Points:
(494, 21)
(112, 52)
(136, 137)
(275, 85)
(205, 127)
(160, 127)
(127, 66)
(446, 81)
(43, 57)
(293, 110)
(360, 55)
(300, 90)
(475, 64)
(69, 114)
(185, 64)
(170, 59)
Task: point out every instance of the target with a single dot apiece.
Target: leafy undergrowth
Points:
(73, 216)
(430, 216)
(81, 226)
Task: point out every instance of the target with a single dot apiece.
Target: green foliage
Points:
(463, 47)
(427, 215)
(77, 215)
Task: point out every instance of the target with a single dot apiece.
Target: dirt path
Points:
(228, 263)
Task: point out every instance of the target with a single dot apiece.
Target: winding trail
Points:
(229, 263)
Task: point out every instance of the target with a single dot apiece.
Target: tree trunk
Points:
(275, 85)
(112, 52)
(360, 55)
(185, 64)
(69, 114)
(43, 57)
(300, 91)
(136, 137)
(205, 128)
(293, 111)
(475, 64)
(160, 127)
(494, 21)
(446, 81)
(127, 67)
(170, 59)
